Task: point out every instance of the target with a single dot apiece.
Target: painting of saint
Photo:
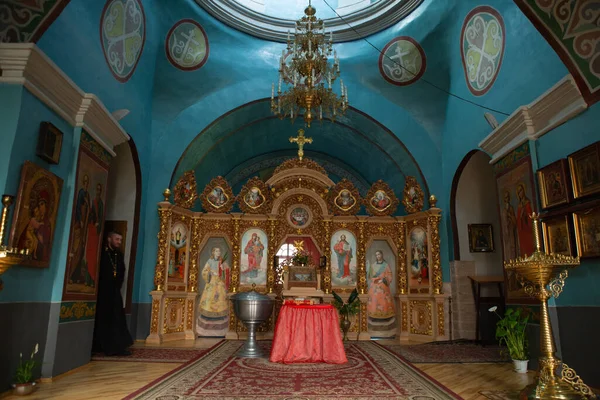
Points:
(380, 200)
(87, 225)
(345, 200)
(254, 198)
(254, 257)
(217, 197)
(419, 258)
(343, 262)
(177, 252)
(213, 309)
(35, 213)
(587, 227)
(380, 280)
(299, 216)
(517, 202)
(585, 170)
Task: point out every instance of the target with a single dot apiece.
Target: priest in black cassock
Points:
(111, 335)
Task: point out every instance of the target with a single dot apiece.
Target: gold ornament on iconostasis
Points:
(381, 200)
(413, 196)
(344, 199)
(255, 197)
(185, 192)
(217, 196)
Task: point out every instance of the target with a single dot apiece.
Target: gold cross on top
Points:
(301, 140)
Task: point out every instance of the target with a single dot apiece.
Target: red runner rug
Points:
(149, 354)
(371, 373)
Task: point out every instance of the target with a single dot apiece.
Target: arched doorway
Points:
(477, 242)
(123, 209)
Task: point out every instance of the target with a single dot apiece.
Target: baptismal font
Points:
(542, 276)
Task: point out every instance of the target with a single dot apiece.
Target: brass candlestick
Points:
(543, 276)
(8, 256)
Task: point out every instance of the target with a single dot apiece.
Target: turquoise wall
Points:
(26, 284)
(170, 107)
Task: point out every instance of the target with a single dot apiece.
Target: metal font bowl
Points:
(252, 306)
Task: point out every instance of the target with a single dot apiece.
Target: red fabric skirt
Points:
(308, 334)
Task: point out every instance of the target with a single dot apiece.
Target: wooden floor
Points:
(114, 380)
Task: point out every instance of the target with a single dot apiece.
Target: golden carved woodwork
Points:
(326, 274)
(361, 273)
(185, 191)
(293, 182)
(255, 197)
(421, 317)
(217, 196)
(440, 319)
(235, 265)
(297, 163)
(173, 317)
(315, 192)
(412, 196)
(344, 199)
(436, 271)
(155, 313)
(193, 269)
(164, 217)
(401, 271)
(380, 200)
(404, 316)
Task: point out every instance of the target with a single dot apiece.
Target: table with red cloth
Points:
(308, 334)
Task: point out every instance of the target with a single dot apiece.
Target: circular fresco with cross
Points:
(482, 46)
(187, 45)
(402, 61)
(123, 33)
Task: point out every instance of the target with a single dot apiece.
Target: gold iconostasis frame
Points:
(422, 311)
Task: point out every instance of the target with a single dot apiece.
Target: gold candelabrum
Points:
(309, 74)
(9, 256)
(543, 276)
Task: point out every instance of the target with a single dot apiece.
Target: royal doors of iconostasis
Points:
(299, 217)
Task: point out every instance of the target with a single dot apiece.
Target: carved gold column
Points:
(194, 253)
(163, 236)
(434, 228)
(362, 272)
(235, 268)
(401, 245)
(326, 284)
(272, 252)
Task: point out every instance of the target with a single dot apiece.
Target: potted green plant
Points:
(510, 330)
(346, 310)
(24, 382)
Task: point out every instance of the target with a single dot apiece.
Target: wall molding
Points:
(25, 64)
(556, 106)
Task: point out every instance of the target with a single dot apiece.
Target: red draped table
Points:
(308, 334)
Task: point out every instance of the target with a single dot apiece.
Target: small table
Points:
(476, 282)
(308, 334)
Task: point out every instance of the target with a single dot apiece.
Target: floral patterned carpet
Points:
(450, 352)
(148, 354)
(372, 373)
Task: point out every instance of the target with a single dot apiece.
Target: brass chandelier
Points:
(309, 75)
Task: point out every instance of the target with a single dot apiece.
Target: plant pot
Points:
(23, 389)
(345, 326)
(520, 366)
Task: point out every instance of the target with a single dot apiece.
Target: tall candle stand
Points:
(9, 256)
(542, 276)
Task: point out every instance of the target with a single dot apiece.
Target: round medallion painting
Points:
(482, 46)
(123, 33)
(187, 45)
(299, 217)
(402, 61)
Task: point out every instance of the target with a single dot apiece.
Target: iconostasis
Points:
(204, 257)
